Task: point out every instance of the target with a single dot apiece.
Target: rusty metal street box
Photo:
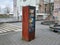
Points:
(28, 23)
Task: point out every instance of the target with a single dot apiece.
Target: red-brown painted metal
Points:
(25, 25)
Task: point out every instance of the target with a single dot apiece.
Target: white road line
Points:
(1, 32)
(8, 30)
(4, 31)
(18, 30)
(9, 27)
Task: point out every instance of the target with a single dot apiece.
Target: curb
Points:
(10, 22)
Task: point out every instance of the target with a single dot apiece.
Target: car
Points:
(47, 22)
(55, 27)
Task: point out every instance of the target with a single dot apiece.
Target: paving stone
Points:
(0, 31)
(43, 36)
(6, 27)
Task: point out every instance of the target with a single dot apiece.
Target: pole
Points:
(50, 7)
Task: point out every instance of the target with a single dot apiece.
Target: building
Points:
(57, 10)
(45, 9)
(41, 12)
(15, 7)
(42, 7)
(18, 4)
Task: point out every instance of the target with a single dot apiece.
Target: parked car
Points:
(47, 22)
(55, 27)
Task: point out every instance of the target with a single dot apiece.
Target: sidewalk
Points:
(43, 37)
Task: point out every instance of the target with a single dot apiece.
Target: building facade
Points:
(43, 10)
(42, 7)
(15, 7)
(46, 8)
(18, 4)
(57, 10)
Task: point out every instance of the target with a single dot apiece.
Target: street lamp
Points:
(17, 13)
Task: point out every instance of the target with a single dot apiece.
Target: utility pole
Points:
(17, 13)
(50, 7)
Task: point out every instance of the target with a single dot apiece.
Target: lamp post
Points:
(50, 7)
(17, 14)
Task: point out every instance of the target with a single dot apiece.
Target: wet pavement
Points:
(9, 27)
(43, 37)
(9, 19)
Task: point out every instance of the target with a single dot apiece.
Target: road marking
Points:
(6, 27)
(0, 31)
(18, 30)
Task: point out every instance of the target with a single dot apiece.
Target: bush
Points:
(4, 16)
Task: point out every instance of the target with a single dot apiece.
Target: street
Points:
(43, 36)
(10, 19)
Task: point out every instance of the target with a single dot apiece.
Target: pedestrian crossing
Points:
(7, 27)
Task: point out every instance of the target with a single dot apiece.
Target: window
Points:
(24, 0)
(37, 11)
(20, 8)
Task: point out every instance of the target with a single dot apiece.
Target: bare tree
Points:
(7, 10)
(0, 9)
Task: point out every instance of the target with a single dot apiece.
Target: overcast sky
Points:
(3, 3)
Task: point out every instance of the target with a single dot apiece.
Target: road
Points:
(43, 37)
(9, 19)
